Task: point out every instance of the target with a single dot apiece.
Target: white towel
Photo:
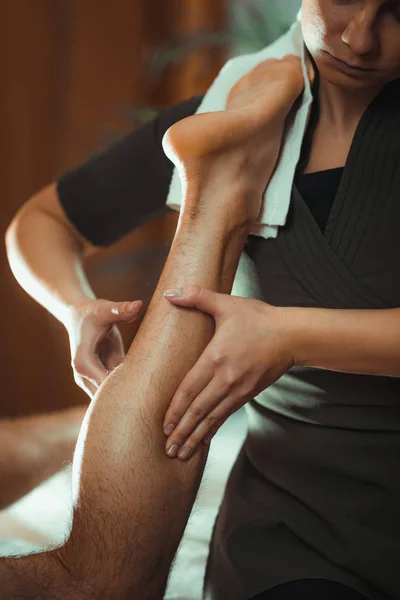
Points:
(277, 196)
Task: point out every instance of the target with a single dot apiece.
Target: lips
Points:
(350, 69)
(352, 66)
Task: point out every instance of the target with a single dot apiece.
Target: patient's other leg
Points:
(34, 448)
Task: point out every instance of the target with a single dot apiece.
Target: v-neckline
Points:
(311, 260)
(340, 196)
(340, 208)
(323, 260)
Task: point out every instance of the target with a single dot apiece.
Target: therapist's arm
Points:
(350, 341)
(46, 253)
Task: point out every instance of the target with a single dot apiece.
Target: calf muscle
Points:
(133, 499)
(131, 502)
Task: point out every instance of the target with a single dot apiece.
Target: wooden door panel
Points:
(70, 68)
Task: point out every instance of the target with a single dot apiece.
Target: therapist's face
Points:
(342, 35)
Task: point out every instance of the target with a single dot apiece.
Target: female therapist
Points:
(312, 506)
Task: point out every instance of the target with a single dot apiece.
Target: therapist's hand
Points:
(249, 351)
(95, 341)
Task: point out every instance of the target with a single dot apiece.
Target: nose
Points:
(361, 35)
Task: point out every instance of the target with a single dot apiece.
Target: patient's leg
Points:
(34, 448)
(131, 501)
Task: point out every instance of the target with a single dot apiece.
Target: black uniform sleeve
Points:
(124, 186)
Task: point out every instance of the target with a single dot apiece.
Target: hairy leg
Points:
(142, 535)
(140, 499)
(132, 502)
(33, 448)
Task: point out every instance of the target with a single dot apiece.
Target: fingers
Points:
(184, 446)
(89, 388)
(207, 400)
(114, 312)
(198, 411)
(210, 435)
(190, 388)
(87, 365)
(96, 344)
(111, 349)
(195, 296)
(92, 364)
(293, 59)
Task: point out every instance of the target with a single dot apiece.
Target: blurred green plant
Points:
(181, 47)
(257, 23)
(253, 25)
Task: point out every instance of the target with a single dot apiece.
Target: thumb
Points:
(116, 312)
(88, 366)
(195, 296)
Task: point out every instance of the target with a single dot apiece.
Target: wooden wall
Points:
(69, 69)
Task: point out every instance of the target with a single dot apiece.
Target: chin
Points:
(339, 79)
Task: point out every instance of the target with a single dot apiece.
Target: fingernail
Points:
(185, 453)
(173, 451)
(133, 306)
(173, 293)
(169, 429)
(115, 310)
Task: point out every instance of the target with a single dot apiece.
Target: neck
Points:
(343, 108)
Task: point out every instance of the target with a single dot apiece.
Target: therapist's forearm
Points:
(350, 341)
(46, 256)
